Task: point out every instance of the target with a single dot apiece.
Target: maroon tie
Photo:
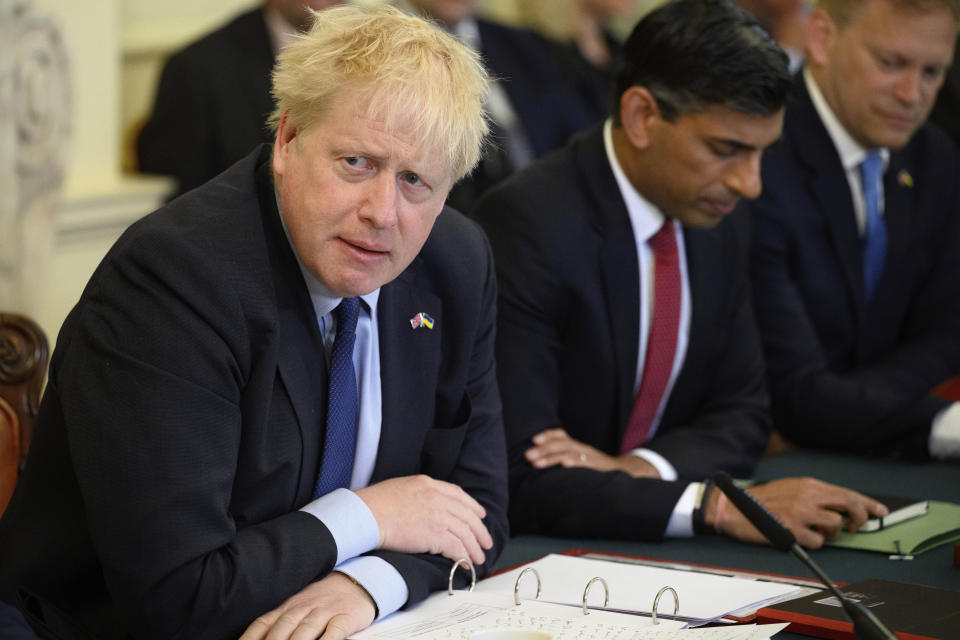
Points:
(662, 344)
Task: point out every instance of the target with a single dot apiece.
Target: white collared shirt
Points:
(346, 516)
(850, 151)
(645, 220)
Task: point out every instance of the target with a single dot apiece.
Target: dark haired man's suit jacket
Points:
(567, 348)
(212, 104)
(182, 427)
(845, 374)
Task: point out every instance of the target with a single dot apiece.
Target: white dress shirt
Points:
(645, 220)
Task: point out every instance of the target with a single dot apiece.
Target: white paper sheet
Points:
(633, 587)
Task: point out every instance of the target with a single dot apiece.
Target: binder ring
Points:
(656, 602)
(586, 590)
(516, 585)
(453, 570)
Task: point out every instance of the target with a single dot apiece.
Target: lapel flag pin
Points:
(421, 320)
(905, 179)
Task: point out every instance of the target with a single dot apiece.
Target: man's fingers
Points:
(258, 628)
(311, 627)
(456, 493)
(338, 628)
(550, 434)
(470, 523)
(809, 538)
(450, 546)
(459, 530)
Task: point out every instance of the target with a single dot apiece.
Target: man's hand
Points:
(417, 514)
(814, 511)
(556, 447)
(330, 609)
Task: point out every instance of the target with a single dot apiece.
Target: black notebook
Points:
(914, 612)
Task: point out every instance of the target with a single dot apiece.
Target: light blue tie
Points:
(874, 240)
(340, 443)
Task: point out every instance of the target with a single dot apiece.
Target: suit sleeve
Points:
(880, 406)
(480, 467)
(151, 383)
(532, 311)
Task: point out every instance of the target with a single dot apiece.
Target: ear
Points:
(282, 144)
(638, 113)
(820, 33)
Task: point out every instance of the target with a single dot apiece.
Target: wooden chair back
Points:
(23, 366)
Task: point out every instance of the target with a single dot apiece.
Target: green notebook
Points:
(940, 525)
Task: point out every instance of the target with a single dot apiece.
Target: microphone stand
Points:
(865, 624)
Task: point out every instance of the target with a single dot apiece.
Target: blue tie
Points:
(874, 241)
(336, 463)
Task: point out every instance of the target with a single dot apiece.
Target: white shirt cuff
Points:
(381, 580)
(680, 524)
(945, 433)
(664, 468)
(350, 521)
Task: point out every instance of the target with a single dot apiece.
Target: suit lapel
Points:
(409, 365)
(828, 185)
(619, 265)
(303, 372)
(898, 194)
(702, 255)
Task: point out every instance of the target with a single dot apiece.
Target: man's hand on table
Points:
(556, 447)
(813, 510)
(330, 609)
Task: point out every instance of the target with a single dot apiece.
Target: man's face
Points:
(358, 202)
(881, 72)
(702, 163)
(446, 12)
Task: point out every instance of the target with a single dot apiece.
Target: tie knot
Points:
(664, 238)
(872, 166)
(347, 313)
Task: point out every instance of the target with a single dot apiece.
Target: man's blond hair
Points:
(841, 11)
(409, 74)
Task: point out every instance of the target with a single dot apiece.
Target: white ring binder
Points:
(586, 590)
(656, 602)
(453, 570)
(516, 584)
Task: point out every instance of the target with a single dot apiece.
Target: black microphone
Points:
(865, 624)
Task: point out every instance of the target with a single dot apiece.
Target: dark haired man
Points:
(856, 250)
(628, 361)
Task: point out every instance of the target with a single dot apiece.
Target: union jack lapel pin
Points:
(904, 179)
(421, 320)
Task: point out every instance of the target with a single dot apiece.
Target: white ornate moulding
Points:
(34, 132)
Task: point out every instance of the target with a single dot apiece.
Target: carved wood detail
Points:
(23, 366)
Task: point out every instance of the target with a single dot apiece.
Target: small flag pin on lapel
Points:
(421, 320)
(905, 179)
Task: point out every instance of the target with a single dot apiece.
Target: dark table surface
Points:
(932, 481)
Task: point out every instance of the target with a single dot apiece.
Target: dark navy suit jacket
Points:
(846, 374)
(212, 104)
(182, 426)
(567, 348)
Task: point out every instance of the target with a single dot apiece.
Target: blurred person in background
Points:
(579, 37)
(531, 110)
(213, 98)
(785, 20)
